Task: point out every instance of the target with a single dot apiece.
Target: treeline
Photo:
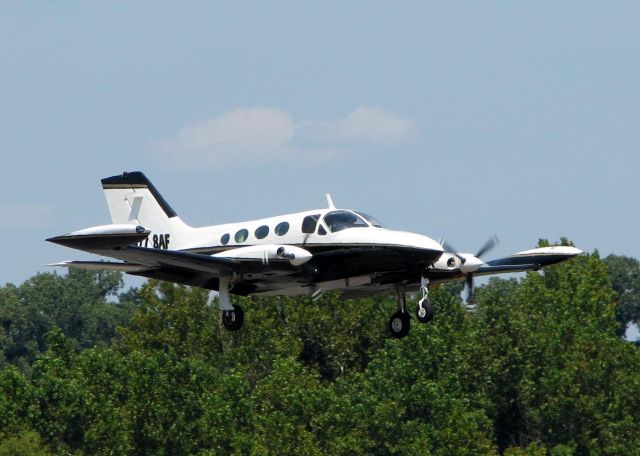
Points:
(538, 368)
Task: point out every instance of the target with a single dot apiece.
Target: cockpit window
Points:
(341, 220)
(309, 223)
(372, 220)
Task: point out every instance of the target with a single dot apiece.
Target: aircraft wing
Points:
(528, 260)
(260, 268)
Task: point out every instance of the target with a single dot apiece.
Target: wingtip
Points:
(62, 264)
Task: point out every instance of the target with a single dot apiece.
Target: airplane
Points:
(304, 253)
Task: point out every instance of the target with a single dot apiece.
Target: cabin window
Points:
(341, 220)
(322, 231)
(241, 235)
(225, 238)
(282, 228)
(309, 223)
(262, 232)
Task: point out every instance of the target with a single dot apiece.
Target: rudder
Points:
(133, 199)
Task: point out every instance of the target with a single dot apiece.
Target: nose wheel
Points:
(424, 311)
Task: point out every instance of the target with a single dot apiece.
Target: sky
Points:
(457, 120)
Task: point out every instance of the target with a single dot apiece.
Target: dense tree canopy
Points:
(536, 369)
(76, 303)
(624, 273)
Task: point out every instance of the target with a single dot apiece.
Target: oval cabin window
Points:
(241, 235)
(262, 232)
(282, 228)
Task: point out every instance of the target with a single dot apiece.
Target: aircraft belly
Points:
(339, 263)
(307, 290)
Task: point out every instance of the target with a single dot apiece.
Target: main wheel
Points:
(425, 312)
(399, 324)
(232, 319)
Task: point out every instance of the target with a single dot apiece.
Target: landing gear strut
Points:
(399, 323)
(232, 315)
(424, 311)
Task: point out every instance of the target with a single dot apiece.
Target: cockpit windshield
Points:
(372, 220)
(341, 220)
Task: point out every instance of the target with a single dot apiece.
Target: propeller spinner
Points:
(471, 263)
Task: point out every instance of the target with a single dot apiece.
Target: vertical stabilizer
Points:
(133, 199)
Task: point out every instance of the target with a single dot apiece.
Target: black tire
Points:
(427, 315)
(232, 319)
(399, 324)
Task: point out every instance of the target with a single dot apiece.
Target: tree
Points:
(555, 371)
(624, 273)
(78, 303)
(536, 369)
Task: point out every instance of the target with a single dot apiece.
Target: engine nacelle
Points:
(447, 262)
(265, 253)
(465, 262)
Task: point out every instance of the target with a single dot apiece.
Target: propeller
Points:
(311, 273)
(490, 244)
(471, 263)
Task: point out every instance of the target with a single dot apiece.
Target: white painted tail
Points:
(132, 199)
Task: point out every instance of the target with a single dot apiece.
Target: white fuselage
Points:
(211, 238)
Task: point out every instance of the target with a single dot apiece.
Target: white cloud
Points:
(236, 136)
(270, 135)
(365, 125)
(25, 215)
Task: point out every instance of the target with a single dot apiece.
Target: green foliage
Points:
(536, 370)
(557, 372)
(16, 396)
(624, 273)
(76, 303)
(24, 444)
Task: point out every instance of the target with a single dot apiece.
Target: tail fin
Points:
(133, 199)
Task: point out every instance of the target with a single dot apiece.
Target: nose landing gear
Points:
(424, 311)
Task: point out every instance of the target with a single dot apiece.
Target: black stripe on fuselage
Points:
(338, 261)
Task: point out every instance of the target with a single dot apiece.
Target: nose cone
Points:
(411, 246)
(417, 241)
(416, 248)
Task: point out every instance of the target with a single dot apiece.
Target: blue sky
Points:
(452, 119)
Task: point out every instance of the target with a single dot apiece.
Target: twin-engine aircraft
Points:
(305, 253)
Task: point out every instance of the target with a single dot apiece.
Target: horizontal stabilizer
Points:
(105, 237)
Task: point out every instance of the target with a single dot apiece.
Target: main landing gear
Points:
(232, 315)
(232, 319)
(400, 322)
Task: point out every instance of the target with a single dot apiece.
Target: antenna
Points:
(330, 201)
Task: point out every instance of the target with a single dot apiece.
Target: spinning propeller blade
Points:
(490, 244)
(469, 280)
